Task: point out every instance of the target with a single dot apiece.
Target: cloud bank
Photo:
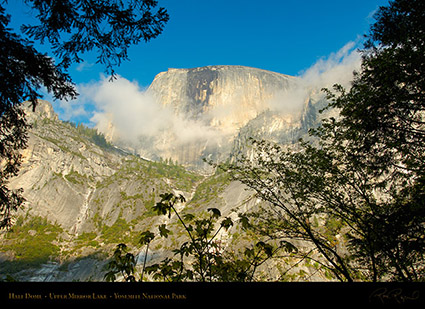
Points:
(133, 114)
(123, 104)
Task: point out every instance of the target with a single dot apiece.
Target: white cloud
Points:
(84, 66)
(337, 68)
(134, 113)
(69, 110)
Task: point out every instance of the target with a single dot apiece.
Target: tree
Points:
(72, 28)
(356, 194)
(384, 109)
(383, 128)
(298, 187)
(13, 133)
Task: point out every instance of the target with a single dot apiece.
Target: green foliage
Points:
(210, 188)
(383, 111)
(166, 205)
(76, 178)
(146, 237)
(11, 142)
(163, 231)
(382, 131)
(182, 178)
(32, 243)
(117, 232)
(73, 28)
(86, 239)
(92, 135)
(62, 146)
(149, 173)
(123, 263)
(200, 258)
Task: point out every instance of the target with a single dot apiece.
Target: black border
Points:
(288, 294)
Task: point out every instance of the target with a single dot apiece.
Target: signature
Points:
(386, 295)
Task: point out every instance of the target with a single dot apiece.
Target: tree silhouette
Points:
(357, 193)
(71, 28)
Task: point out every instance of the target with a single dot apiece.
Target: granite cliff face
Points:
(61, 167)
(218, 103)
(225, 96)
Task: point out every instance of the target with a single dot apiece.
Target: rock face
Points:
(220, 103)
(60, 167)
(80, 182)
(225, 96)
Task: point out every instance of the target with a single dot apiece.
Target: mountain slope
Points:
(84, 196)
(87, 191)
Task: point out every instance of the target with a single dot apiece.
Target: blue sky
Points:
(285, 36)
(282, 36)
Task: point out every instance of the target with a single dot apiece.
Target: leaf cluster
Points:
(123, 263)
(13, 140)
(202, 257)
(74, 27)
